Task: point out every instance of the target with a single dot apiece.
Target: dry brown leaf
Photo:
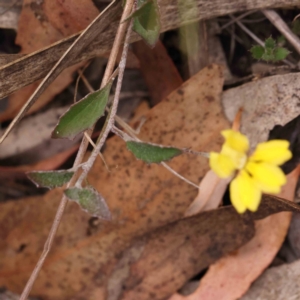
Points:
(267, 102)
(41, 24)
(211, 192)
(141, 198)
(31, 132)
(159, 71)
(231, 276)
(50, 163)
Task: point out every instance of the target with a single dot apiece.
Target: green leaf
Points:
(146, 21)
(83, 114)
(280, 53)
(270, 43)
(140, 11)
(257, 52)
(281, 40)
(90, 201)
(268, 56)
(50, 179)
(152, 153)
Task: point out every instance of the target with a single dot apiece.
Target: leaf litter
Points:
(141, 198)
(36, 33)
(130, 261)
(231, 276)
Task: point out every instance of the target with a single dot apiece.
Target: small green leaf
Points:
(268, 56)
(281, 41)
(146, 21)
(90, 201)
(280, 53)
(140, 11)
(257, 52)
(152, 153)
(83, 114)
(270, 43)
(50, 179)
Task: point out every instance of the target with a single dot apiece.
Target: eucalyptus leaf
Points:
(146, 21)
(50, 179)
(152, 153)
(90, 201)
(83, 114)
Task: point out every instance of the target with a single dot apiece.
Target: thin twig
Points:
(100, 154)
(80, 155)
(110, 120)
(117, 118)
(277, 21)
(234, 19)
(77, 81)
(179, 176)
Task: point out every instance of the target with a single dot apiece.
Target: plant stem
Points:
(110, 120)
(80, 155)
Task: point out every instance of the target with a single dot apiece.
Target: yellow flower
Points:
(257, 174)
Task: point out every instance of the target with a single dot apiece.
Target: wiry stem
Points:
(80, 155)
(110, 120)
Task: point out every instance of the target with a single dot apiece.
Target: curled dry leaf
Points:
(210, 195)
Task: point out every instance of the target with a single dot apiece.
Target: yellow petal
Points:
(235, 196)
(269, 178)
(236, 140)
(274, 152)
(238, 158)
(221, 164)
(244, 193)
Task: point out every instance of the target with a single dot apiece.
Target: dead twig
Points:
(237, 19)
